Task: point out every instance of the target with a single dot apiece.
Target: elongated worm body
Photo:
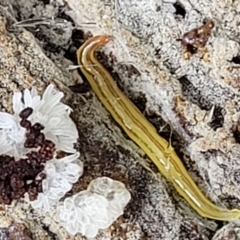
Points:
(142, 132)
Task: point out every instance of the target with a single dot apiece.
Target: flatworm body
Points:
(143, 133)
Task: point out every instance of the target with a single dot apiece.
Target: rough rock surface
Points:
(198, 100)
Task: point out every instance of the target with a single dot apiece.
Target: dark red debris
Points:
(25, 175)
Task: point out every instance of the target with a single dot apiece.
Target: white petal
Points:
(68, 204)
(50, 168)
(6, 120)
(34, 92)
(36, 103)
(70, 158)
(91, 231)
(17, 102)
(72, 226)
(27, 98)
(83, 219)
(48, 91)
(51, 104)
(45, 186)
(5, 147)
(41, 202)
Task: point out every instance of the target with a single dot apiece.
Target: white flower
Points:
(61, 174)
(93, 209)
(48, 111)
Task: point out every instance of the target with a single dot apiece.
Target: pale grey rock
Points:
(149, 66)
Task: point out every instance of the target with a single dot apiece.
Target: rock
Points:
(198, 99)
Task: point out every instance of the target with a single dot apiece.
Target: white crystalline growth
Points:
(95, 208)
(54, 116)
(61, 174)
(49, 111)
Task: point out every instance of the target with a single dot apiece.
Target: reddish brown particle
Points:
(24, 114)
(198, 37)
